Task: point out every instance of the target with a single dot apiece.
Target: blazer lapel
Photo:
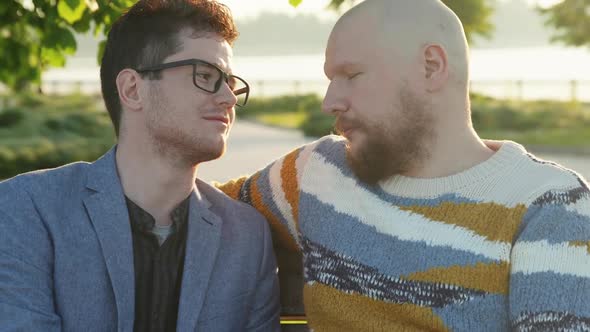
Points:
(202, 244)
(108, 212)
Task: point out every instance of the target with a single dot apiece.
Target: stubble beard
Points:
(171, 141)
(393, 150)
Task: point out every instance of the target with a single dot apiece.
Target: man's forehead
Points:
(342, 61)
(348, 48)
(207, 48)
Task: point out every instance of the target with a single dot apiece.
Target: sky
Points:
(251, 8)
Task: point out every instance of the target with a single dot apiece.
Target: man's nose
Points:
(334, 100)
(225, 96)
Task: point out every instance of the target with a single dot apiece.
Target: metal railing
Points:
(564, 90)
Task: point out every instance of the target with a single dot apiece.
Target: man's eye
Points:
(204, 76)
(351, 76)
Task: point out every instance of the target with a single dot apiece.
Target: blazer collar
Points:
(108, 213)
(202, 244)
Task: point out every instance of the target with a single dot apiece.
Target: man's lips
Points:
(219, 118)
(344, 129)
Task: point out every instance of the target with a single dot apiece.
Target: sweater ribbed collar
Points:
(508, 156)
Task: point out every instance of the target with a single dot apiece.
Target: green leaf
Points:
(101, 47)
(53, 57)
(61, 39)
(71, 10)
(68, 42)
(295, 3)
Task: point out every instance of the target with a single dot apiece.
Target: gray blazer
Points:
(66, 256)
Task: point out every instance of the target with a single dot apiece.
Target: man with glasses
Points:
(129, 242)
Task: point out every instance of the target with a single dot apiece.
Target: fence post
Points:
(519, 89)
(77, 86)
(574, 90)
(261, 89)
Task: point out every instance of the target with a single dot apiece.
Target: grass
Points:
(48, 131)
(39, 131)
(290, 120)
(549, 137)
(558, 138)
(551, 124)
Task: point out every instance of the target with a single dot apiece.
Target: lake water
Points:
(528, 73)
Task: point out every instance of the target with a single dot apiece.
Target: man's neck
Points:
(155, 184)
(451, 153)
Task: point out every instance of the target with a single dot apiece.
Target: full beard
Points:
(388, 151)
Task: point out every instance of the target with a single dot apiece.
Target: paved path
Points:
(253, 146)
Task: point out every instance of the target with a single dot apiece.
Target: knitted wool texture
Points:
(502, 246)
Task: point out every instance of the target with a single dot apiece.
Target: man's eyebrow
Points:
(224, 68)
(220, 66)
(341, 67)
(349, 65)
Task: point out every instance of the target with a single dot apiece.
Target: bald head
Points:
(403, 28)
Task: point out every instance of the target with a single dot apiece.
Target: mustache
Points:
(342, 124)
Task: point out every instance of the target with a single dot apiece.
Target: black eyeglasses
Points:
(208, 77)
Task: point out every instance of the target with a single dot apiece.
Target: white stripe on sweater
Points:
(581, 207)
(327, 183)
(542, 256)
(303, 158)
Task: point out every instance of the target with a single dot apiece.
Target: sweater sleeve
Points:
(550, 270)
(274, 192)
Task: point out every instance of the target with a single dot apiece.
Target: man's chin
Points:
(370, 163)
(212, 154)
(354, 143)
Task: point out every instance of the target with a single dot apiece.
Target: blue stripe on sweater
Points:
(321, 224)
(545, 291)
(484, 313)
(555, 224)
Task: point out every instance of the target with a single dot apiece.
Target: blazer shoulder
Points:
(47, 183)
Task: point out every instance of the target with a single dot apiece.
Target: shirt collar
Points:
(142, 221)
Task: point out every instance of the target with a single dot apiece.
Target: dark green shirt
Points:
(158, 268)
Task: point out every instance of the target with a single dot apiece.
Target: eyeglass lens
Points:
(209, 78)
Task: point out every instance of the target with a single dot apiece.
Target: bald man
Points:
(409, 221)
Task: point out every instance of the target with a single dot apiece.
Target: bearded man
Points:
(409, 221)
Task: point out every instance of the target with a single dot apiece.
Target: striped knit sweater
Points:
(502, 246)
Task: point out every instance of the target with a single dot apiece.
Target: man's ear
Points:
(436, 67)
(129, 84)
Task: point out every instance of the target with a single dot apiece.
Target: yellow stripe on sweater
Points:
(289, 184)
(329, 309)
(585, 244)
(481, 218)
(281, 230)
(232, 187)
(491, 278)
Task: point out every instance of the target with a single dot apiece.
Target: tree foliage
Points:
(36, 34)
(474, 14)
(571, 19)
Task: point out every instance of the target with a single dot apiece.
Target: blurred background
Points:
(530, 71)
